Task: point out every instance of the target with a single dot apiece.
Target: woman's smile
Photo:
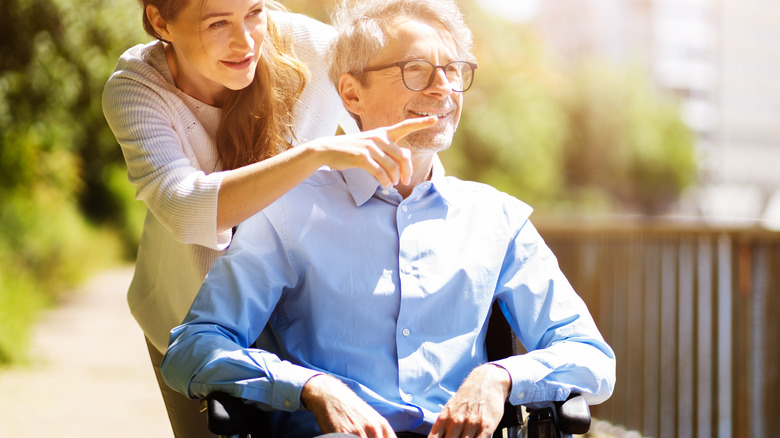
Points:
(241, 64)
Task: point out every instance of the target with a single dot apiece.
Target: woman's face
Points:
(217, 45)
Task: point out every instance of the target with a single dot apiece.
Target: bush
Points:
(61, 210)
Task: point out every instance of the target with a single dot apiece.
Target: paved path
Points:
(89, 374)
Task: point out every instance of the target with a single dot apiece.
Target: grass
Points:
(20, 302)
(46, 249)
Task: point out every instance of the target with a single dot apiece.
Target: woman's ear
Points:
(351, 92)
(159, 24)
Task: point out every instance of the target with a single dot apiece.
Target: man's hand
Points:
(476, 409)
(338, 409)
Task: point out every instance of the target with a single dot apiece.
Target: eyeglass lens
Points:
(420, 74)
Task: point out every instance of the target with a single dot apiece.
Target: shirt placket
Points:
(409, 286)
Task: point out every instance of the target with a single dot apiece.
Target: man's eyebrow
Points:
(228, 14)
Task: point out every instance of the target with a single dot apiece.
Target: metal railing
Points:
(693, 315)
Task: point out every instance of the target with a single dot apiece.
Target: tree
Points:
(597, 137)
(625, 140)
(58, 158)
(512, 128)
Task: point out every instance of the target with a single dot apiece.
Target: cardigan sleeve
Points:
(151, 125)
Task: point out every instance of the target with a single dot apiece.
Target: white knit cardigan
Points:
(167, 139)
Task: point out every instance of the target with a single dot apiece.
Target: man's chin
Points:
(437, 138)
(428, 141)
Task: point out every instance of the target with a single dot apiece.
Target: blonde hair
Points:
(256, 121)
(361, 26)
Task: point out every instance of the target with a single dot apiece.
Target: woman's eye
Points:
(255, 12)
(218, 24)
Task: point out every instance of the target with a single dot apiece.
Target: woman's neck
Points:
(185, 83)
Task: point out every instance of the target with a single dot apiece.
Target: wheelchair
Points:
(230, 417)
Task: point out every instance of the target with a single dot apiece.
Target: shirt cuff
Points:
(526, 373)
(287, 391)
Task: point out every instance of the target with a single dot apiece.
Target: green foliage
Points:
(625, 140)
(20, 300)
(597, 138)
(46, 247)
(512, 127)
(56, 151)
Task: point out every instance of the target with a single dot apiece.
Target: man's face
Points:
(385, 100)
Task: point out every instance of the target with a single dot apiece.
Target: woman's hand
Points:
(376, 151)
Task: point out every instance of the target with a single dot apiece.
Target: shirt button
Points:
(287, 403)
(404, 208)
(407, 398)
(406, 332)
(385, 192)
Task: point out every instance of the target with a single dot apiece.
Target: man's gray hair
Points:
(361, 26)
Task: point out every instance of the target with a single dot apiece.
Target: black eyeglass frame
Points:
(402, 64)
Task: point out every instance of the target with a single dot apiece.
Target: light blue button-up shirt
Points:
(390, 295)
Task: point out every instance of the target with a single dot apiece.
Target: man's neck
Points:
(422, 166)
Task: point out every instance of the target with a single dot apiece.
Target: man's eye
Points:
(454, 71)
(413, 68)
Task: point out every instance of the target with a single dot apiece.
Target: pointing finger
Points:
(406, 127)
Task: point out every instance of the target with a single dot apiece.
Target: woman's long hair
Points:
(256, 121)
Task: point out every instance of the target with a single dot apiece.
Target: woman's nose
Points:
(242, 39)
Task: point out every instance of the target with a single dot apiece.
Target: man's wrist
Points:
(318, 389)
(310, 391)
(500, 376)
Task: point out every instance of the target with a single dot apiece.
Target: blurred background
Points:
(646, 134)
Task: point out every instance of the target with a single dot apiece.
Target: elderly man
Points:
(373, 302)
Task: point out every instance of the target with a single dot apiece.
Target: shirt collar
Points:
(439, 181)
(362, 185)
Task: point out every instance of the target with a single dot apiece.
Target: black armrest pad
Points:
(225, 413)
(228, 415)
(573, 415)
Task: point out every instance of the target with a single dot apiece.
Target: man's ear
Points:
(351, 92)
(159, 24)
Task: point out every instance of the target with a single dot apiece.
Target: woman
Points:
(205, 116)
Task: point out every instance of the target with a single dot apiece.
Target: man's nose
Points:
(441, 84)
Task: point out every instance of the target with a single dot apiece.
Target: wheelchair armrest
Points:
(573, 415)
(228, 415)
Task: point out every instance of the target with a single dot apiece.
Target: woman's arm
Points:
(247, 190)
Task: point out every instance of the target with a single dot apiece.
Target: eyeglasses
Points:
(419, 74)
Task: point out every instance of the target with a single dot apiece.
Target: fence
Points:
(694, 318)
